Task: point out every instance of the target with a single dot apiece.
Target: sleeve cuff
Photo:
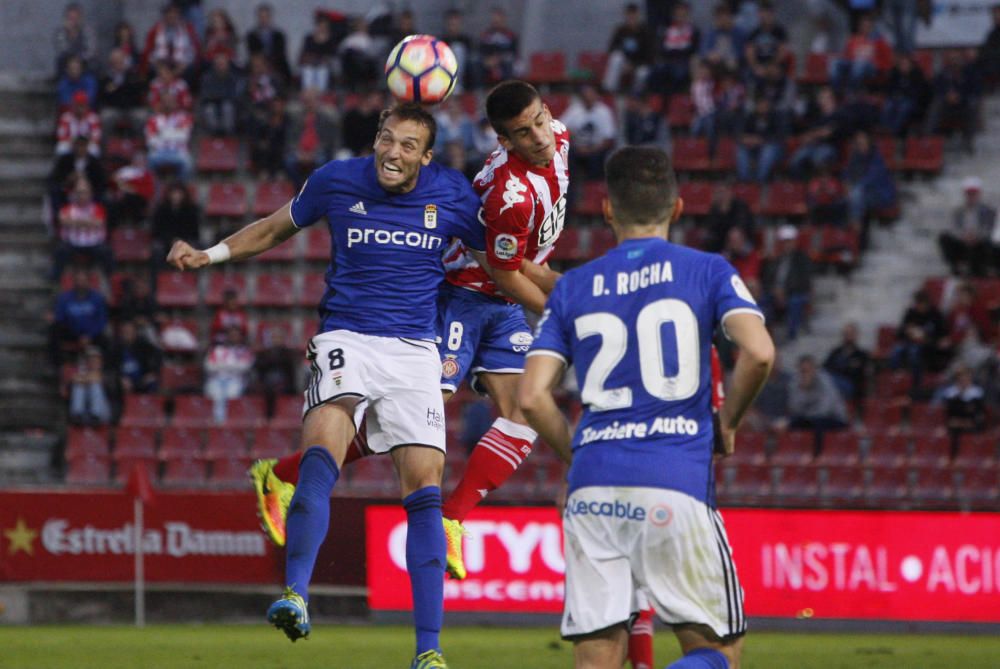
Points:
(739, 310)
(548, 352)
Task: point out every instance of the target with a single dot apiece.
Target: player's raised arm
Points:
(541, 374)
(753, 366)
(255, 238)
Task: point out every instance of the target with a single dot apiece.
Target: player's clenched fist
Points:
(184, 256)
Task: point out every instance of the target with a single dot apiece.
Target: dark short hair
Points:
(507, 100)
(411, 111)
(641, 185)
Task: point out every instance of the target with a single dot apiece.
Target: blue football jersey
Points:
(386, 256)
(637, 324)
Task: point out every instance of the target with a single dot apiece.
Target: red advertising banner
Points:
(74, 536)
(823, 564)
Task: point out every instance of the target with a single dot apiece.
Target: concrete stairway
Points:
(32, 412)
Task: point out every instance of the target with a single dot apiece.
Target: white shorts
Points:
(668, 545)
(396, 380)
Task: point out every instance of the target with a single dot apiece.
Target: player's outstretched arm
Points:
(518, 287)
(753, 366)
(540, 275)
(541, 374)
(248, 241)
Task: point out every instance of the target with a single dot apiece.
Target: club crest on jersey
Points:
(513, 193)
(505, 247)
(449, 367)
(742, 290)
(431, 216)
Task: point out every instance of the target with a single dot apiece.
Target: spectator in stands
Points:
(74, 39)
(592, 124)
(70, 167)
(401, 25)
(312, 137)
(922, 339)
(132, 189)
(220, 36)
(902, 16)
(498, 46)
(989, 51)
(955, 99)
(75, 80)
(966, 245)
(969, 329)
(358, 55)
(768, 42)
(453, 125)
(461, 45)
(457, 157)
(814, 402)
(219, 96)
(727, 212)
(168, 136)
(124, 40)
(787, 281)
(678, 46)
(730, 100)
(739, 250)
(826, 198)
(770, 409)
(83, 231)
(484, 141)
(269, 41)
(824, 130)
(849, 365)
(762, 141)
(88, 396)
(135, 360)
(230, 315)
(136, 303)
(870, 184)
(175, 217)
(227, 371)
(965, 406)
(267, 145)
(317, 55)
(173, 39)
(630, 53)
(645, 126)
(703, 95)
(724, 44)
(79, 121)
(276, 367)
(79, 318)
(907, 93)
(360, 125)
(865, 56)
(121, 94)
(779, 88)
(263, 86)
(168, 82)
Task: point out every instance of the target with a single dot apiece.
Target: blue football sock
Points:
(425, 558)
(701, 658)
(308, 517)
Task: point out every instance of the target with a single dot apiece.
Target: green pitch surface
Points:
(356, 647)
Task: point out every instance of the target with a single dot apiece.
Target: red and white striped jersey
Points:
(178, 88)
(169, 132)
(72, 126)
(524, 207)
(83, 224)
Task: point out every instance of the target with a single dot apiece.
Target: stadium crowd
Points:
(785, 162)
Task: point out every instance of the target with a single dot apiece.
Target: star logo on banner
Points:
(21, 538)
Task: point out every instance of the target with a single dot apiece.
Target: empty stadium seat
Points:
(602, 240)
(923, 154)
(929, 450)
(313, 288)
(228, 471)
(372, 477)
(177, 289)
(885, 341)
(840, 449)
(269, 442)
(180, 377)
(816, 70)
(266, 331)
(178, 441)
(142, 410)
(888, 449)
(568, 246)
(318, 243)
(269, 196)
(192, 411)
(547, 67)
(690, 154)
(218, 154)
(798, 486)
(979, 487)
(838, 246)
(932, 487)
(680, 111)
(593, 63)
(724, 158)
(886, 486)
(246, 412)
(224, 442)
(220, 282)
(287, 413)
(750, 484)
(750, 448)
(794, 448)
(130, 244)
(285, 252)
(978, 450)
(591, 196)
(926, 416)
(469, 102)
(787, 199)
(88, 469)
(557, 103)
(842, 486)
(889, 150)
(275, 290)
(82, 441)
(183, 470)
(226, 200)
(893, 384)
(749, 192)
(697, 196)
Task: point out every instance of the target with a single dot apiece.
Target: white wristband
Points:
(218, 253)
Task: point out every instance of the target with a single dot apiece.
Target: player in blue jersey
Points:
(640, 515)
(391, 216)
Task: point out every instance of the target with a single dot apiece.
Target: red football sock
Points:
(287, 468)
(640, 641)
(493, 460)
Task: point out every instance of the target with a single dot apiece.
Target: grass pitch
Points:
(357, 647)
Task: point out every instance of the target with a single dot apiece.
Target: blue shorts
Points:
(479, 334)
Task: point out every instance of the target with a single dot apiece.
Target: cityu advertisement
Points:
(822, 564)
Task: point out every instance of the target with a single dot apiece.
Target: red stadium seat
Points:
(218, 154)
(602, 240)
(924, 154)
(933, 487)
(470, 105)
(269, 196)
(978, 450)
(275, 290)
(886, 487)
(225, 442)
(267, 331)
(177, 289)
(119, 150)
(816, 70)
(798, 486)
(930, 450)
(593, 63)
(889, 150)
(287, 413)
(697, 196)
(180, 441)
(680, 111)
(226, 200)
(285, 252)
(568, 246)
(246, 412)
(272, 443)
(751, 448)
(750, 484)
(924, 58)
(840, 449)
(888, 449)
(183, 470)
(313, 288)
(318, 243)
(839, 246)
(88, 469)
(691, 154)
(229, 471)
(130, 244)
(749, 193)
(979, 487)
(893, 385)
(143, 411)
(842, 486)
(886, 341)
(372, 477)
(134, 446)
(794, 448)
(724, 159)
(557, 103)
(547, 67)
(926, 417)
(220, 282)
(192, 411)
(786, 198)
(591, 197)
(87, 441)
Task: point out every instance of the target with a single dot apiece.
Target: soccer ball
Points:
(421, 69)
